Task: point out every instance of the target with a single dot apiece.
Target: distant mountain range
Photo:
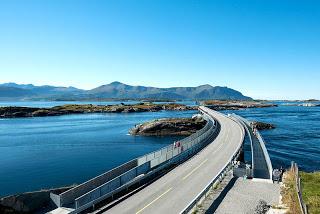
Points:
(116, 90)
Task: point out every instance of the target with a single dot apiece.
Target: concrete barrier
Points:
(69, 196)
(143, 169)
(141, 160)
(55, 198)
(157, 154)
(155, 162)
(128, 176)
(112, 185)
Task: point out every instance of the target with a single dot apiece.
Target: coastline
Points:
(21, 112)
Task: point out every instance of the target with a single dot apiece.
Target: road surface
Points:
(175, 190)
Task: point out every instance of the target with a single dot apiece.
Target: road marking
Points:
(154, 200)
(185, 177)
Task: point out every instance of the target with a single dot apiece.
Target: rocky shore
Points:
(169, 127)
(16, 112)
(262, 126)
(30, 202)
(235, 105)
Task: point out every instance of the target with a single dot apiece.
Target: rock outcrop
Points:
(15, 112)
(169, 126)
(235, 105)
(261, 126)
(30, 202)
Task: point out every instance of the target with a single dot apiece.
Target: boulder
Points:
(262, 126)
(169, 126)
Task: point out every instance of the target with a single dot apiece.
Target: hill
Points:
(117, 90)
(120, 90)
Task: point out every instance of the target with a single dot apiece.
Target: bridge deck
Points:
(260, 165)
(174, 191)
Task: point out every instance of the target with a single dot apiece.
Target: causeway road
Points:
(172, 192)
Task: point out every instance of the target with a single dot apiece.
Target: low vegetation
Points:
(310, 183)
(310, 187)
(289, 193)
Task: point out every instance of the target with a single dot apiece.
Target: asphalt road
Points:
(175, 190)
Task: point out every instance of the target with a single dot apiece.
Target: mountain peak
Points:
(115, 83)
(206, 86)
(15, 85)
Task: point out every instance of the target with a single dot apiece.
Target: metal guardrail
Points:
(202, 195)
(70, 195)
(302, 205)
(185, 144)
(148, 165)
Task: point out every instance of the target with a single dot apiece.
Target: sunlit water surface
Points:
(55, 151)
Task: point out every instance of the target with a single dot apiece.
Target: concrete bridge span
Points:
(175, 190)
(212, 150)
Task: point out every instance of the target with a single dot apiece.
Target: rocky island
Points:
(169, 127)
(235, 105)
(15, 112)
(262, 126)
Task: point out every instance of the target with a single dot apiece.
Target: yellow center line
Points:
(185, 177)
(154, 200)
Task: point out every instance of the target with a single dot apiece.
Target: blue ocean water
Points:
(55, 151)
(49, 152)
(295, 138)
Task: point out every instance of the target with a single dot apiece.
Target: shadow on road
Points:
(213, 207)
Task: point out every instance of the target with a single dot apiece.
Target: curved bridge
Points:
(261, 163)
(201, 160)
(173, 192)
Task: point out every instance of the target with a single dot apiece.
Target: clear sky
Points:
(265, 49)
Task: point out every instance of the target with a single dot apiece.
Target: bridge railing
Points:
(239, 119)
(70, 195)
(203, 194)
(265, 152)
(262, 145)
(155, 158)
(148, 165)
(185, 143)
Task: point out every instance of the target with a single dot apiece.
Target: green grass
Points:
(289, 193)
(310, 184)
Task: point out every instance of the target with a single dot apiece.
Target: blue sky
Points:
(265, 49)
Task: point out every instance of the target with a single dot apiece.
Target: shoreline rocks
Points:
(262, 126)
(19, 112)
(169, 127)
(235, 105)
(30, 202)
